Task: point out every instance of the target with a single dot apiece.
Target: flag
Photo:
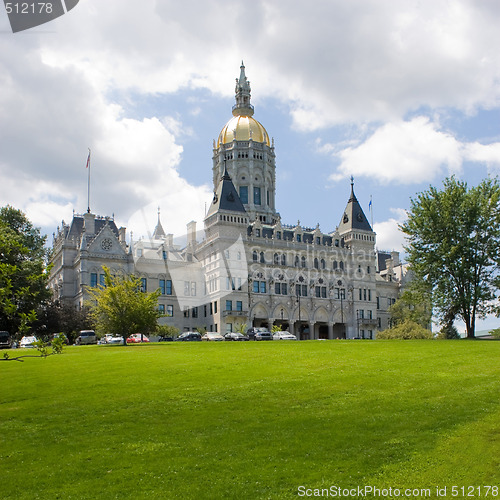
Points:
(370, 205)
(88, 160)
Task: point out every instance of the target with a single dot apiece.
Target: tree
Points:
(413, 305)
(454, 247)
(167, 331)
(57, 317)
(23, 272)
(121, 307)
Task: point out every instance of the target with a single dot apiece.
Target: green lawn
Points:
(250, 420)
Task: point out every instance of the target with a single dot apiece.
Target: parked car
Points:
(86, 337)
(5, 340)
(28, 341)
(235, 336)
(165, 339)
(109, 338)
(251, 332)
(284, 336)
(189, 337)
(267, 335)
(137, 338)
(214, 337)
(106, 338)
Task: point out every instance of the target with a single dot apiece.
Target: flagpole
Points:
(371, 211)
(88, 184)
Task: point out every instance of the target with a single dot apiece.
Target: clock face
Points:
(106, 244)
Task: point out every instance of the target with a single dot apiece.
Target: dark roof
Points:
(353, 217)
(382, 257)
(76, 228)
(225, 197)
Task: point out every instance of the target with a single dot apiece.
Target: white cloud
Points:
(402, 152)
(334, 63)
(389, 236)
(488, 154)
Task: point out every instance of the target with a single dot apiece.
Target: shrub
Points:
(495, 333)
(448, 332)
(167, 331)
(407, 330)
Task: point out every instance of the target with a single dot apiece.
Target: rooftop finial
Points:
(242, 106)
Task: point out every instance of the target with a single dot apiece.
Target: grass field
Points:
(250, 420)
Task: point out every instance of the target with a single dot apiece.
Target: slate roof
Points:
(225, 197)
(353, 217)
(76, 228)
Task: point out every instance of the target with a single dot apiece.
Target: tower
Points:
(243, 148)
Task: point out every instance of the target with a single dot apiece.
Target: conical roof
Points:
(159, 233)
(225, 197)
(354, 217)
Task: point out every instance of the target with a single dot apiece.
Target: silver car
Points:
(86, 337)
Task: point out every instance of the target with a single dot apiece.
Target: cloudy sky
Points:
(398, 94)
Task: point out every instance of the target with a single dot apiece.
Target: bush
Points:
(495, 333)
(167, 331)
(408, 330)
(448, 332)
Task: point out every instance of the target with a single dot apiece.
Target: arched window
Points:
(262, 260)
(323, 264)
(316, 263)
(283, 260)
(255, 257)
(335, 264)
(303, 262)
(341, 265)
(276, 259)
(296, 261)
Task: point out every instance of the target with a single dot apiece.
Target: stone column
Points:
(312, 331)
(330, 331)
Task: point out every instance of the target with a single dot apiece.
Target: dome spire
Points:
(158, 233)
(242, 91)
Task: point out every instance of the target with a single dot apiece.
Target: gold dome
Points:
(243, 128)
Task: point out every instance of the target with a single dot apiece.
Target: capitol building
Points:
(250, 267)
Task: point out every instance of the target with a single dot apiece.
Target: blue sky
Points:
(397, 94)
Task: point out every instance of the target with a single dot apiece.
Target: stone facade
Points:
(249, 267)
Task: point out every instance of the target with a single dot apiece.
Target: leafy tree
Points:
(407, 330)
(121, 307)
(58, 317)
(275, 328)
(23, 272)
(413, 305)
(454, 247)
(167, 331)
